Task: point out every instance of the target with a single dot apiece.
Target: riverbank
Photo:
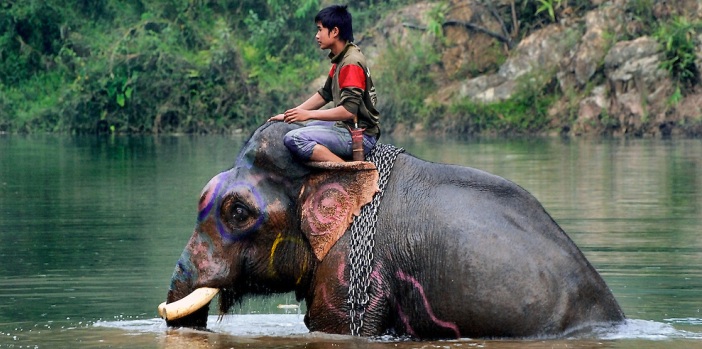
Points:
(471, 67)
(616, 68)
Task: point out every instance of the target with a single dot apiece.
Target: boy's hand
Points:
(296, 115)
(279, 117)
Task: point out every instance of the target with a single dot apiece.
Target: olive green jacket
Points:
(350, 85)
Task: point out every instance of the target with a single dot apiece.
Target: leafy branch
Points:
(549, 6)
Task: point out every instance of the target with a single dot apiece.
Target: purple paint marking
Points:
(420, 289)
(212, 198)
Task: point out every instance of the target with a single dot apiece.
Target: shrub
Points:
(403, 81)
(678, 40)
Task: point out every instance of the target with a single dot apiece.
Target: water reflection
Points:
(281, 331)
(90, 228)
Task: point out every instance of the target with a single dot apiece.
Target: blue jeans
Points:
(337, 139)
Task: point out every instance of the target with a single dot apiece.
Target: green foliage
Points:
(29, 33)
(368, 13)
(678, 40)
(548, 6)
(642, 10)
(166, 66)
(607, 121)
(534, 14)
(528, 17)
(404, 83)
(436, 19)
(640, 18)
(190, 65)
(279, 47)
(676, 97)
(31, 105)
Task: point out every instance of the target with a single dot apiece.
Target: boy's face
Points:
(326, 37)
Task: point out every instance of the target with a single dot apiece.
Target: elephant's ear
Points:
(332, 194)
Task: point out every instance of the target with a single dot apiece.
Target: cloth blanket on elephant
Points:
(360, 258)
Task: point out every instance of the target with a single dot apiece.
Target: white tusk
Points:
(188, 305)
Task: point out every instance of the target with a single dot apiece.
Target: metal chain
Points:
(363, 237)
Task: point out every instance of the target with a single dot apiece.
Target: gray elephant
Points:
(457, 252)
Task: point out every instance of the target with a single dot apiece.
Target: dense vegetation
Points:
(218, 66)
(156, 66)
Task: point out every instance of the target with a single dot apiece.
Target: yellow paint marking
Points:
(271, 258)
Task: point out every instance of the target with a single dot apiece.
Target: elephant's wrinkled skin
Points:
(459, 253)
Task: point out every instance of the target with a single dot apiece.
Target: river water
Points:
(90, 229)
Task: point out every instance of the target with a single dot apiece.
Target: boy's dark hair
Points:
(336, 16)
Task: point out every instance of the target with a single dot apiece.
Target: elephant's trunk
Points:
(188, 304)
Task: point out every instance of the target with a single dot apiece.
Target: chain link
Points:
(363, 238)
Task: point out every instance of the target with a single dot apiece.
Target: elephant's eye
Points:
(240, 212)
(237, 215)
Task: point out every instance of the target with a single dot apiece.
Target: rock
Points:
(624, 52)
(638, 89)
(396, 29)
(578, 68)
(540, 52)
(590, 111)
(469, 52)
(688, 113)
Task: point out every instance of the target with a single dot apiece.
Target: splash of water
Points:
(293, 325)
(649, 330)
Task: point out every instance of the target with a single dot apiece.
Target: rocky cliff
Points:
(607, 61)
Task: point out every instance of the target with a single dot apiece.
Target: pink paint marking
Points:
(324, 200)
(208, 196)
(333, 308)
(405, 321)
(450, 325)
(202, 253)
(340, 274)
(207, 193)
(374, 302)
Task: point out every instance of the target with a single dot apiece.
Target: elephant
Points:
(457, 252)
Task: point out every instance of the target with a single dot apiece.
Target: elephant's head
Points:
(263, 226)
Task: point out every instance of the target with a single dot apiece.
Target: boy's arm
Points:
(352, 82)
(310, 110)
(334, 114)
(315, 102)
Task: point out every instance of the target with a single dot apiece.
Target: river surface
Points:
(91, 228)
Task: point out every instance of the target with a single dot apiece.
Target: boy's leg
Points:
(368, 144)
(321, 153)
(320, 141)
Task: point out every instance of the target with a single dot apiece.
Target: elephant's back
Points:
(469, 202)
(478, 244)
